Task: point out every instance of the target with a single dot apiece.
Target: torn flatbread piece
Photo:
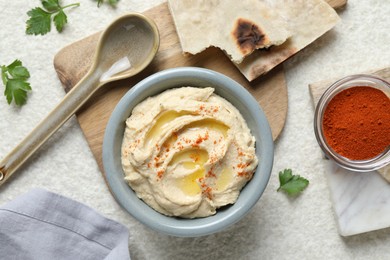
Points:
(237, 27)
(308, 20)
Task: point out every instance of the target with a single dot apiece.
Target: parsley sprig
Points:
(40, 18)
(111, 2)
(291, 184)
(14, 78)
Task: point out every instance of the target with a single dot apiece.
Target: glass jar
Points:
(371, 164)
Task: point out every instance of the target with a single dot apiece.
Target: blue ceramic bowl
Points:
(225, 87)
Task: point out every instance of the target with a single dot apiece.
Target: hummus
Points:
(187, 152)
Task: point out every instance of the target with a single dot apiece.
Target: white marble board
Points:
(361, 201)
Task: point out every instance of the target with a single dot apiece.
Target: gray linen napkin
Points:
(45, 225)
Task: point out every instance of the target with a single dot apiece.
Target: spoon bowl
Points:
(124, 49)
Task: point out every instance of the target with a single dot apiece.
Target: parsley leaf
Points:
(39, 23)
(50, 5)
(40, 19)
(111, 2)
(60, 20)
(291, 184)
(14, 78)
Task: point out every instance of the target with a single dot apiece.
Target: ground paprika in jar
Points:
(356, 123)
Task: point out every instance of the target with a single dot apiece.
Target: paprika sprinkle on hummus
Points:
(356, 123)
(180, 149)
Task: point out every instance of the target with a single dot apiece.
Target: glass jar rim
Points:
(377, 162)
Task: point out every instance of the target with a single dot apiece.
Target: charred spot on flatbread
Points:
(248, 35)
(236, 29)
(307, 21)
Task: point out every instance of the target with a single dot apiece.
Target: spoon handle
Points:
(49, 125)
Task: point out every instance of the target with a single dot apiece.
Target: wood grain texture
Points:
(337, 3)
(72, 63)
(318, 88)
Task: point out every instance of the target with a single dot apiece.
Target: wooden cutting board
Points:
(361, 201)
(72, 63)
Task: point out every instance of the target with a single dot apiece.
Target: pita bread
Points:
(237, 27)
(308, 20)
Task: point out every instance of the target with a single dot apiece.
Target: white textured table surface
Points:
(278, 227)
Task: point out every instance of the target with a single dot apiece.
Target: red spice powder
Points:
(241, 165)
(160, 174)
(199, 140)
(208, 192)
(356, 123)
(242, 173)
(195, 157)
(211, 174)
